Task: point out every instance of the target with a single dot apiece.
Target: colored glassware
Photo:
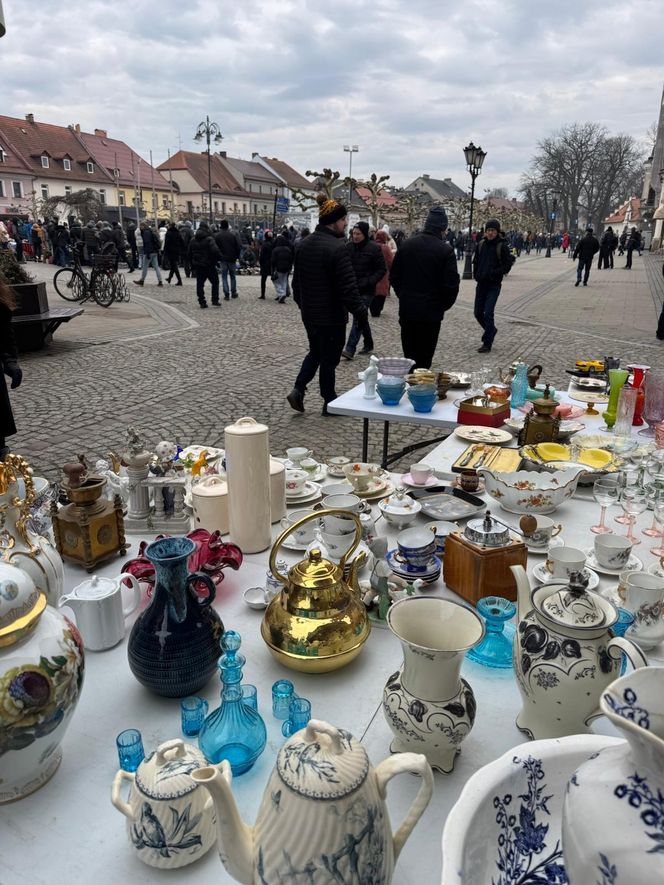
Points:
(250, 696)
(495, 650)
(617, 379)
(653, 410)
(638, 377)
(282, 694)
(627, 399)
(130, 749)
(621, 626)
(519, 385)
(174, 644)
(234, 731)
(299, 714)
(193, 711)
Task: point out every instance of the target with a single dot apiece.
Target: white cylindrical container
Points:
(210, 504)
(277, 490)
(248, 476)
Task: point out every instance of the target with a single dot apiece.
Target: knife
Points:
(481, 459)
(469, 456)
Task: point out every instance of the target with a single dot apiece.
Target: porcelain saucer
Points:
(317, 476)
(656, 569)
(430, 574)
(633, 564)
(543, 575)
(555, 542)
(311, 491)
(408, 480)
(483, 434)
(378, 488)
(291, 544)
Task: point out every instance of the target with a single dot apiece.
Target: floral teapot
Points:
(323, 813)
(565, 655)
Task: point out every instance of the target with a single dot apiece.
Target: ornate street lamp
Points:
(208, 130)
(474, 160)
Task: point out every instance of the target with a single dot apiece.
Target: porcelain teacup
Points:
(542, 534)
(342, 502)
(336, 545)
(295, 480)
(337, 463)
(297, 454)
(416, 547)
(469, 481)
(310, 465)
(359, 476)
(337, 525)
(644, 598)
(562, 561)
(338, 488)
(612, 551)
(304, 534)
(420, 473)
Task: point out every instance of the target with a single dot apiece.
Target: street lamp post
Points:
(552, 218)
(208, 130)
(474, 160)
(350, 149)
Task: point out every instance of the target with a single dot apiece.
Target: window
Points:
(154, 201)
(235, 207)
(17, 189)
(90, 167)
(260, 188)
(216, 206)
(2, 188)
(223, 208)
(44, 191)
(121, 198)
(102, 196)
(3, 155)
(190, 207)
(255, 208)
(44, 161)
(164, 201)
(67, 164)
(67, 190)
(244, 208)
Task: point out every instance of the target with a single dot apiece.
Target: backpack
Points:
(502, 250)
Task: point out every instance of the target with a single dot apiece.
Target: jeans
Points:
(203, 274)
(228, 270)
(583, 268)
(281, 285)
(360, 330)
(152, 259)
(325, 346)
(486, 296)
(419, 340)
(61, 256)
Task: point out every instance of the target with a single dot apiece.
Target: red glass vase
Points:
(639, 374)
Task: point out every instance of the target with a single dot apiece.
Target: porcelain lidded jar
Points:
(41, 675)
(170, 820)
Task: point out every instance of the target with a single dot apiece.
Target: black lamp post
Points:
(208, 130)
(552, 218)
(474, 159)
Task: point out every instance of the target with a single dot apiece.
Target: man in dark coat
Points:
(90, 240)
(265, 261)
(228, 243)
(425, 279)
(606, 248)
(281, 263)
(8, 366)
(186, 235)
(585, 251)
(150, 253)
(369, 266)
(131, 239)
(204, 255)
(172, 249)
(492, 260)
(324, 288)
(633, 242)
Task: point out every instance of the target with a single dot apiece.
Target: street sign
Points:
(283, 205)
(552, 216)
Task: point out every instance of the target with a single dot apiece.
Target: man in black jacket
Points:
(633, 242)
(585, 251)
(281, 260)
(369, 266)
(203, 255)
(324, 288)
(492, 260)
(228, 243)
(150, 253)
(425, 279)
(606, 248)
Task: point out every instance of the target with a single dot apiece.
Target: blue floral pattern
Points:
(651, 807)
(607, 871)
(629, 709)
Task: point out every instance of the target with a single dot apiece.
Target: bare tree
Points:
(84, 203)
(375, 185)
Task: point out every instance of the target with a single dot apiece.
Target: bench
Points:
(34, 330)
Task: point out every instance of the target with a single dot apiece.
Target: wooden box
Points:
(492, 415)
(473, 571)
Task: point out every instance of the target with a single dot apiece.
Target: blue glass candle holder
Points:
(250, 696)
(621, 626)
(495, 650)
(299, 714)
(193, 711)
(283, 693)
(130, 749)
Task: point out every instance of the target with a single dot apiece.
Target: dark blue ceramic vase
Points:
(174, 645)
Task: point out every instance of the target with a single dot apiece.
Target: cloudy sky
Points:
(409, 81)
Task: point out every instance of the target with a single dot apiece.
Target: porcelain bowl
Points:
(510, 812)
(399, 514)
(391, 396)
(525, 491)
(394, 365)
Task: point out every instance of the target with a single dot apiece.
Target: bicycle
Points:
(73, 284)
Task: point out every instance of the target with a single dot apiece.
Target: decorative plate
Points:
(483, 434)
(581, 397)
(633, 564)
(590, 383)
(449, 508)
(554, 542)
(310, 491)
(403, 570)
(191, 453)
(408, 480)
(543, 575)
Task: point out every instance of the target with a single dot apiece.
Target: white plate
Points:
(291, 544)
(318, 545)
(310, 491)
(656, 569)
(589, 383)
(318, 476)
(408, 480)
(483, 434)
(555, 542)
(386, 488)
(448, 507)
(581, 397)
(543, 575)
(194, 451)
(633, 564)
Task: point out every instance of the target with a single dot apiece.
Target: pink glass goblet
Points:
(653, 410)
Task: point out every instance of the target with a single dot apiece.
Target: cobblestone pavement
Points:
(173, 371)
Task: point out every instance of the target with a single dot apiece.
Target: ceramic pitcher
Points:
(426, 704)
(100, 611)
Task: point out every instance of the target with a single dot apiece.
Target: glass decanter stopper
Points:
(234, 731)
(495, 650)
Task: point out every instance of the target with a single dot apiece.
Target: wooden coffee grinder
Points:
(477, 561)
(540, 425)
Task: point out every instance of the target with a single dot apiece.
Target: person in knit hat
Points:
(492, 260)
(369, 266)
(325, 290)
(425, 279)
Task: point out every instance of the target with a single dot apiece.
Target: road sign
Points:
(552, 216)
(283, 205)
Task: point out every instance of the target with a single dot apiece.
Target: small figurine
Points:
(199, 464)
(370, 377)
(166, 453)
(115, 485)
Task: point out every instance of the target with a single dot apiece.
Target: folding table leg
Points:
(365, 440)
(386, 439)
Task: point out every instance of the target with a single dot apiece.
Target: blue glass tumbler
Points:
(283, 692)
(130, 749)
(250, 696)
(299, 714)
(621, 626)
(495, 650)
(193, 711)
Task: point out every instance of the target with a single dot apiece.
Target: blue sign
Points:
(552, 216)
(283, 205)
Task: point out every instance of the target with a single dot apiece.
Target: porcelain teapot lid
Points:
(322, 762)
(96, 587)
(164, 774)
(573, 606)
(21, 604)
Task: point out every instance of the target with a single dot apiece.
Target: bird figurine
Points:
(199, 463)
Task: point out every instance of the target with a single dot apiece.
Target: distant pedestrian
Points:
(204, 255)
(230, 247)
(622, 242)
(282, 263)
(10, 366)
(265, 261)
(369, 266)
(633, 242)
(383, 284)
(492, 260)
(425, 279)
(150, 253)
(131, 239)
(606, 249)
(172, 250)
(186, 235)
(90, 241)
(585, 251)
(62, 241)
(37, 237)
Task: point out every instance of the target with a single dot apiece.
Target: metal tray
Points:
(451, 506)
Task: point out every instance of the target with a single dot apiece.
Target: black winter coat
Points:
(368, 264)
(173, 242)
(203, 251)
(492, 259)
(587, 246)
(228, 244)
(324, 285)
(151, 244)
(131, 234)
(282, 255)
(265, 256)
(425, 278)
(8, 357)
(90, 237)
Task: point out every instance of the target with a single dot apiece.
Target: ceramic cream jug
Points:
(564, 655)
(100, 610)
(323, 812)
(210, 504)
(170, 822)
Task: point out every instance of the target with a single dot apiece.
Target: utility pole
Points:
(170, 182)
(154, 196)
(116, 176)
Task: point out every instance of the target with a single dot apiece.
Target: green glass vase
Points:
(617, 379)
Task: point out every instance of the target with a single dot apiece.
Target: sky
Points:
(410, 82)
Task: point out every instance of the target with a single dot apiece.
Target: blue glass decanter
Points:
(234, 731)
(495, 650)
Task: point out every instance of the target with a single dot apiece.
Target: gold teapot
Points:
(317, 622)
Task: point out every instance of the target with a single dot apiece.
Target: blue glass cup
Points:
(621, 626)
(193, 711)
(283, 693)
(250, 696)
(299, 714)
(130, 749)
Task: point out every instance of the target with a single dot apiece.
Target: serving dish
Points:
(449, 508)
(525, 491)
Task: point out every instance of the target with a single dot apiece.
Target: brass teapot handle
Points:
(283, 579)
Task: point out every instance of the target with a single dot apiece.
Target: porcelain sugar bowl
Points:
(41, 674)
(399, 509)
(170, 822)
(323, 813)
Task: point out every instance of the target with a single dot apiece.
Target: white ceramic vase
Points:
(427, 705)
(248, 475)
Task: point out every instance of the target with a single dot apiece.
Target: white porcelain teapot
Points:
(323, 812)
(100, 613)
